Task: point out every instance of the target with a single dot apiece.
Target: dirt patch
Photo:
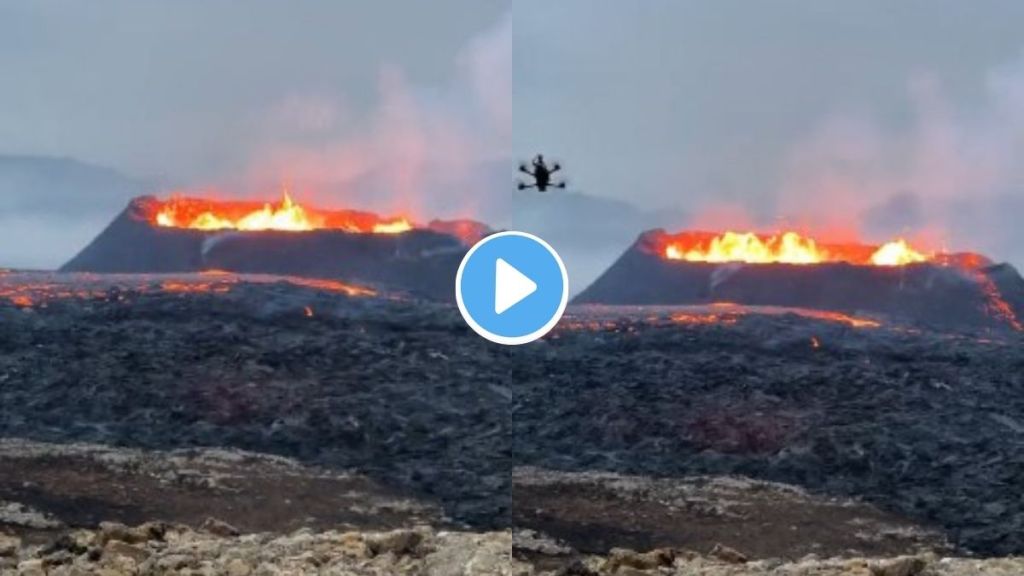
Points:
(595, 512)
(83, 485)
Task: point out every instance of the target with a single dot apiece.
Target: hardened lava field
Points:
(924, 425)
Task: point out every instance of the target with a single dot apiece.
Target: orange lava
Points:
(193, 287)
(698, 319)
(732, 312)
(216, 272)
(37, 294)
(286, 215)
(331, 286)
(21, 301)
(37, 290)
(841, 318)
(783, 248)
(996, 305)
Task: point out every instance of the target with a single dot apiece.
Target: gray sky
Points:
(188, 90)
(821, 114)
(869, 118)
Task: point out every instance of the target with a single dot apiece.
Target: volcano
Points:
(194, 234)
(943, 290)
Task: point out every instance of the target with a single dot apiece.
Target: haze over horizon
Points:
(867, 119)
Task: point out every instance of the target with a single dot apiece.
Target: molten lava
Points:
(784, 248)
(287, 215)
(38, 289)
(729, 313)
(996, 304)
(896, 253)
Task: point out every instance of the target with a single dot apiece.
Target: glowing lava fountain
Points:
(784, 248)
(287, 215)
(189, 234)
(894, 280)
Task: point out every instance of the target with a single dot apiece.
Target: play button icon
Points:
(511, 288)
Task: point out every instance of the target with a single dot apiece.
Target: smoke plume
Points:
(948, 178)
(423, 152)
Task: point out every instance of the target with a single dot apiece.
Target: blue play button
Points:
(512, 288)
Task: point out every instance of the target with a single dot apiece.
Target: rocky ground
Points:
(235, 513)
(918, 431)
(157, 548)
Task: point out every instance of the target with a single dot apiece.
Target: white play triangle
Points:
(510, 286)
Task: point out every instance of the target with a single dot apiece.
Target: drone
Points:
(541, 174)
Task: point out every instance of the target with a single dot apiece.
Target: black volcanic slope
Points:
(919, 294)
(420, 261)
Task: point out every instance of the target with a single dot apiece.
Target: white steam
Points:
(422, 152)
(949, 178)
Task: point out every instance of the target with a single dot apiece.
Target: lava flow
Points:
(287, 215)
(38, 289)
(784, 248)
(729, 313)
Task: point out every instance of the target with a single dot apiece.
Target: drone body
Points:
(541, 174)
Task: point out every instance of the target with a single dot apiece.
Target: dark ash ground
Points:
(924, 426)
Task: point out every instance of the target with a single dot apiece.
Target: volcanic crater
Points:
(184, 234)
(941, 290)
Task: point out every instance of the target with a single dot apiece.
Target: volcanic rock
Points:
(219, 528)
(394, 542)
(421, 261)
(448, 554)
(623, 557)
(9, 545)
(904, 566)
(17, 514)
(32, 567)
(919, 425)
(727, 554)
(110, 531)
(119, 548)
(950, 294)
